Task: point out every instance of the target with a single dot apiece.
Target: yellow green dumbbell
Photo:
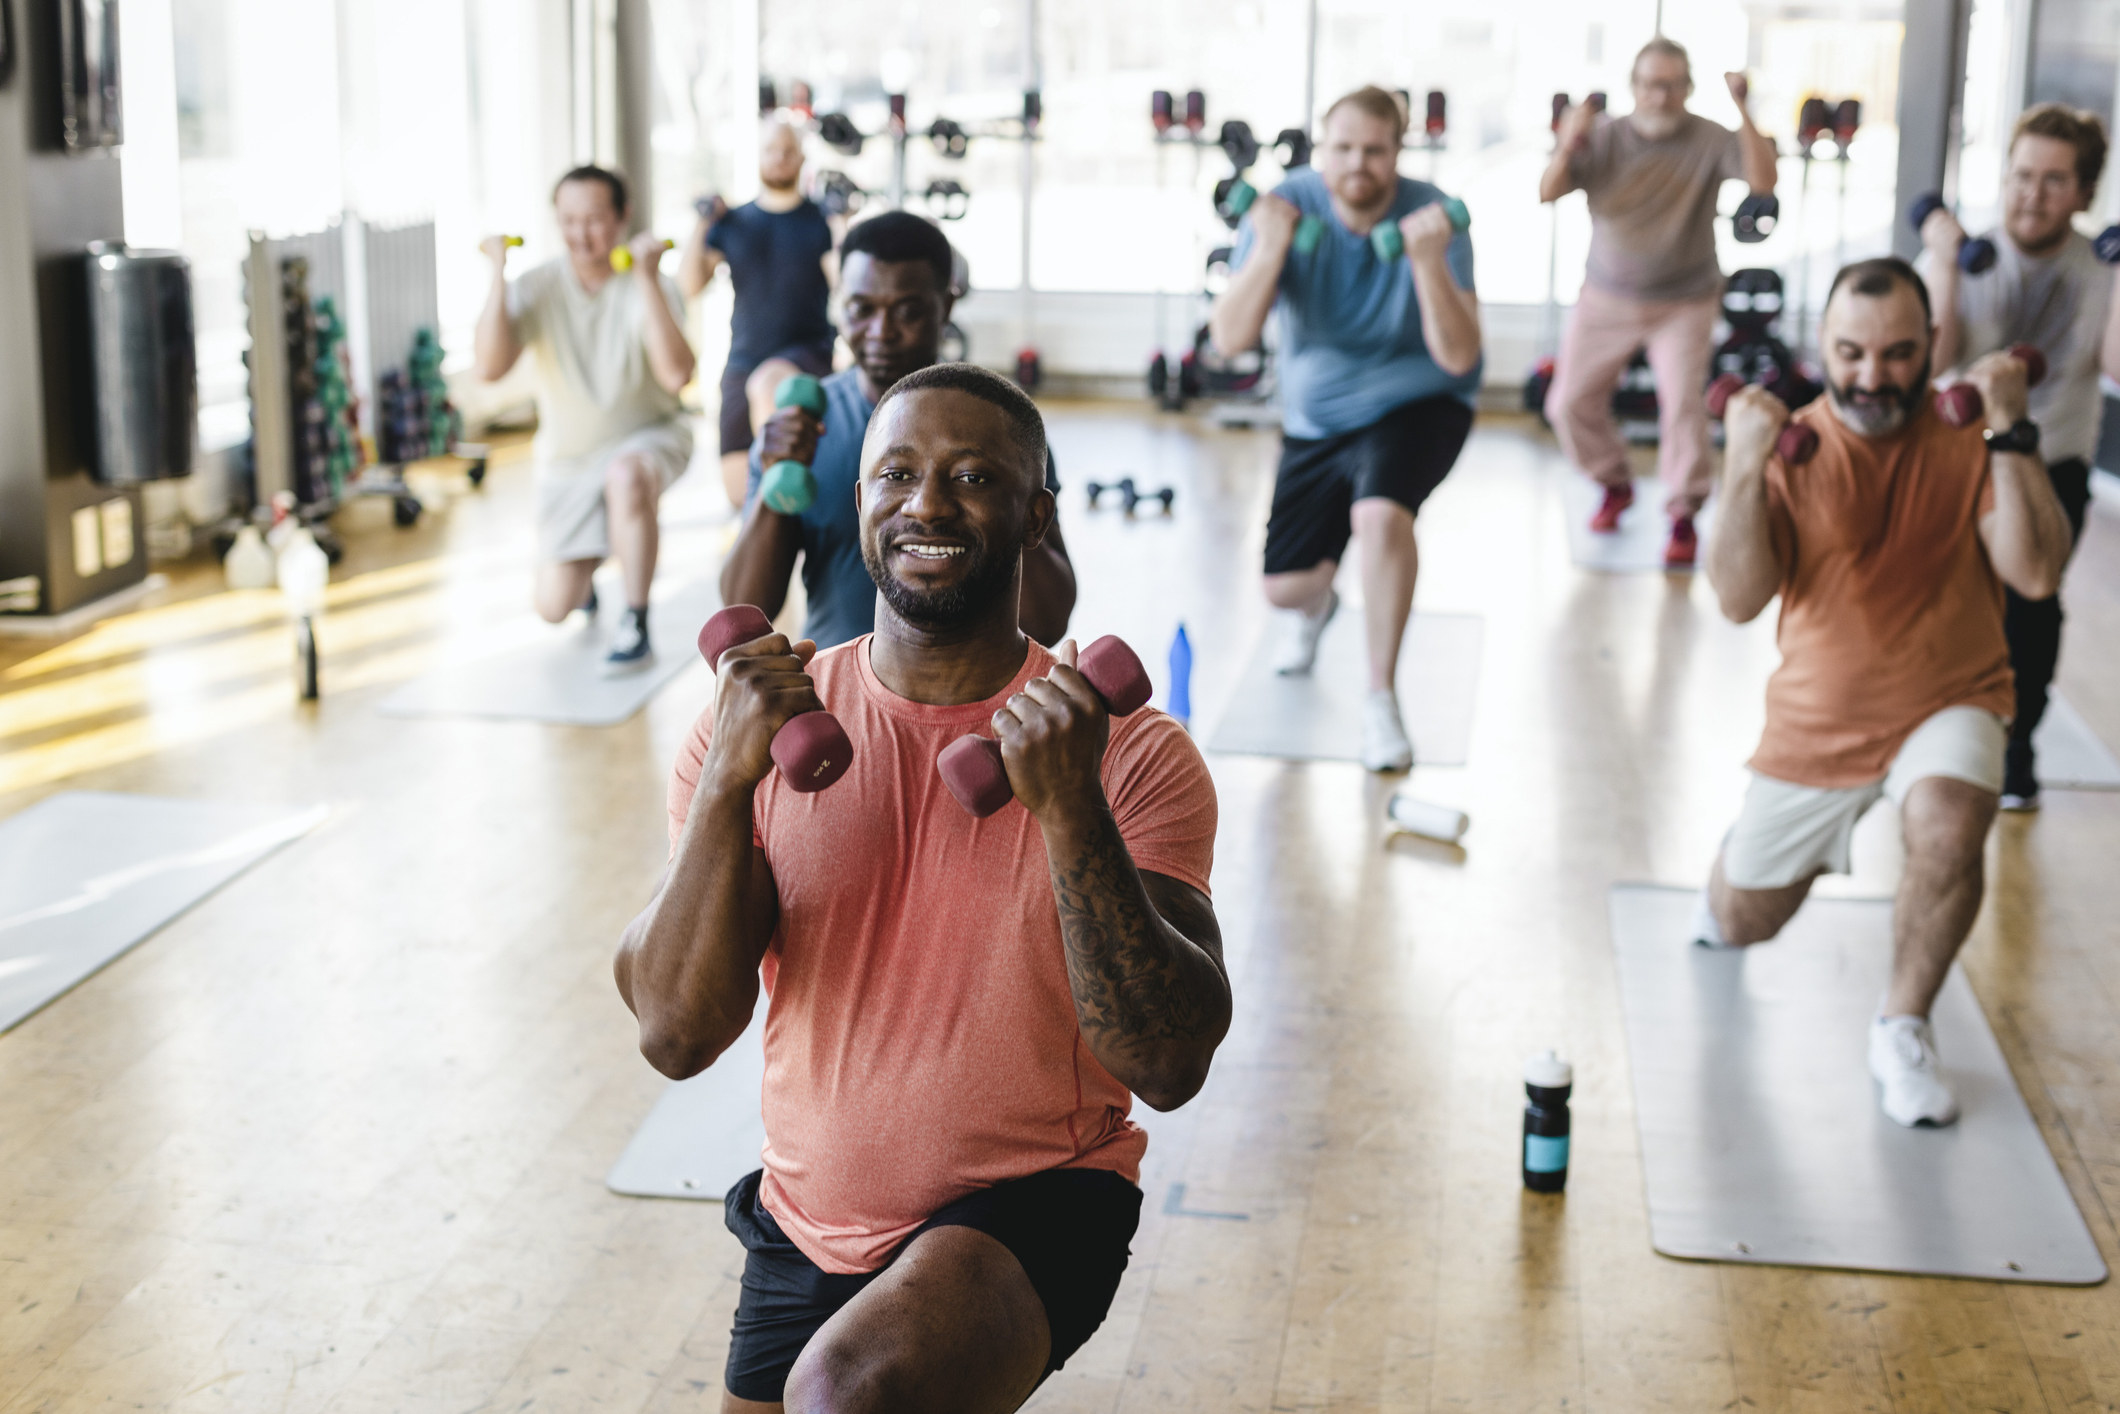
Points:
(622, 256)
(787, 486)
(1385, 240)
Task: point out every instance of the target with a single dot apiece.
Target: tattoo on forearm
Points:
(1128, 981)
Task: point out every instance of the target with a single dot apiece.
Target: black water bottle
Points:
(1547, 1083)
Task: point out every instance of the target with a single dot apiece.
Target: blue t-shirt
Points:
(834, 576)
(1351, 347)
(776, 259)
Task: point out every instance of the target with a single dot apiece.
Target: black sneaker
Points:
(2020, 784)
(630, 648)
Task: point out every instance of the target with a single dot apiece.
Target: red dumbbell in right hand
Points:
(972, 767)
(1961, 404)
(810, 750)
(1797, 443)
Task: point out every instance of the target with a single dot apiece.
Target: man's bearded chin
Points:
(1878, 412)
(1656, 126)
(986, 580)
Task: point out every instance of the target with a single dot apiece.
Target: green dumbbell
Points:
(1385, 240)
(787, 486)
(1237, 198)
(1309, 231)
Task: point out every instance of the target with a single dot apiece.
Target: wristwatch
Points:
(2022, 438)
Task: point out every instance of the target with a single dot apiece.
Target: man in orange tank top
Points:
(960, 1008)
(1889, 548)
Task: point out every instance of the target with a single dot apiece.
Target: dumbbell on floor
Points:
(1975, 257)
(1961, 405)
(1797, 443)
(971, 766)
(1130, 495)
(787, 486)
(810, 750)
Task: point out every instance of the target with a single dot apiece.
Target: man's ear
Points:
(1043, 515)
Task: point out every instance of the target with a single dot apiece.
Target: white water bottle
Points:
(1418, 817)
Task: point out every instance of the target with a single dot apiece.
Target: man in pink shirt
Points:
(960, 1009)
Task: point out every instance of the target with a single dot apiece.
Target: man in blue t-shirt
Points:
(1380, 361)
(895, 299)
(779, 252)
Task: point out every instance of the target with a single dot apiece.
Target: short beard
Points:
(1656, 127)
(1883, 418)
(943, 609)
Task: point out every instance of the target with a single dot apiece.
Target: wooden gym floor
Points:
(334, 1140)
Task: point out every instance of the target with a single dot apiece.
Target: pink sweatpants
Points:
(1602, 336)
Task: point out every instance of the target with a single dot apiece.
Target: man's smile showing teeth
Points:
(931, 552)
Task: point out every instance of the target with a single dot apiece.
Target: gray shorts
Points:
(571, 521)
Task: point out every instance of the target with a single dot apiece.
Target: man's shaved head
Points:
(1024, 420)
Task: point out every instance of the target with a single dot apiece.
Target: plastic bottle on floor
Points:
(1548, 1081)
(249, 563)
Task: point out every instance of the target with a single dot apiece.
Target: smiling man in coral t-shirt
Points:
(1889, 548)
(960, 1008)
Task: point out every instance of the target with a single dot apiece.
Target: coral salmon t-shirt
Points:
(1890, 611)
(921, 1040)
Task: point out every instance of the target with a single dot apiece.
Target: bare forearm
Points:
(1152, 1003)
(696, 270)
(1556, 181)
(1239, 316)
(688, 966)
(1762, 162)
(1948, 346)
(761, 561)
(2109, 354)
(2029, 537)
(669, 356)
(494, 345)
(1048, 594)
(1741, 563)
(1450, 317)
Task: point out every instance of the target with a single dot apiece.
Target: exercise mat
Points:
(704, 1133)
(87, 875)
(2071, 757)
(555, 672)
(1637, 547)
(1761, 1136)
(1319, 717)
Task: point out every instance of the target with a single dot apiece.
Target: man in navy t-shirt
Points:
(895, 299)
(779, 252)
(1380, 362)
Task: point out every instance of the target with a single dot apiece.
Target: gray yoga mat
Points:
(1761, 1136)
(704, 1133)
(1637, 547)
(555, 672)
(86, 875)
(1319, 717)
(2071, 757)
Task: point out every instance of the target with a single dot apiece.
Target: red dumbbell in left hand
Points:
(1961, 404)
(971, 766)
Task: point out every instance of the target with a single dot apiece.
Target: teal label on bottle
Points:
(1545, 1153)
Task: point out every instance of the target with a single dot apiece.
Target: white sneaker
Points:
(1384, 743)
(1300, 653)
(1903, 1061)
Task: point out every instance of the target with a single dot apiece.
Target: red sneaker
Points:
(1617, 499)
(1684, 545)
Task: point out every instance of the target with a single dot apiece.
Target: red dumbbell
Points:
(1961, 405)
(971, 766)
(1797, 443)
(811, 750)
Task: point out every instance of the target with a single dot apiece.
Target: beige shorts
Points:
(571, 520)
(1786, 833)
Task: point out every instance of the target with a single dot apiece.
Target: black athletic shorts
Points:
(1403, 455)
(736, 433)
(1068, 1227)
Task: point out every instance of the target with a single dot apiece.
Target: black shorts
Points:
(736, 433)
(1404, 455)
(1068, 1227)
